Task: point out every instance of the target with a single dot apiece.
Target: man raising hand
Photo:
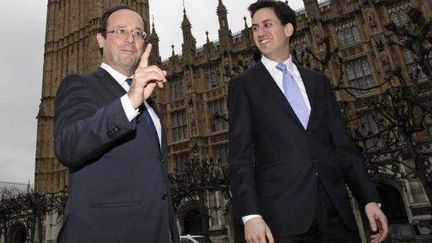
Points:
(108, 133)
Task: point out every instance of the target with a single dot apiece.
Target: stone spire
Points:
(189, 42)
(225, 36)
(153, 38)
(245, 22)
(222, 15)
(312, 10)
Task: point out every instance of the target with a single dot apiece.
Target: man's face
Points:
(270, 36)
(122, 52)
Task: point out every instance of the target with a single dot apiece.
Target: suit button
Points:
(164, 196)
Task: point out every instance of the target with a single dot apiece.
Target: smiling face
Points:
(270, 36)
(122, 52)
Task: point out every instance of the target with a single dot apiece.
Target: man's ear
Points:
(100, 39)
(289, 30)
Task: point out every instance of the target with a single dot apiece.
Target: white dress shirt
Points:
(278, 76)
(130, 112)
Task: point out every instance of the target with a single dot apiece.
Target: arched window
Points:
(18, 233)
(220, 153)
(179, 125)
(360, 76)
(356, 33)
(192, 222)
(341, 38)
(348, 34)
(393, 203)
(176, 89)
(398, 14)
(212, 76)
(217, 115)
(365, 65)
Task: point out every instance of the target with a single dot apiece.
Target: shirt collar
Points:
(270, 64)
(120, 78)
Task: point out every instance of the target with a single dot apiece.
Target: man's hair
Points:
(283, 12)
(104, 18)
(103, 24)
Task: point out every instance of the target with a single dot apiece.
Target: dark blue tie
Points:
(147, 117)
(129, 81)
(293, 94)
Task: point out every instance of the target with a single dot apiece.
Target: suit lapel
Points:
(269, 85)
(109, 82)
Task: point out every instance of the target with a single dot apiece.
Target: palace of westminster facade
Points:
(193, 104)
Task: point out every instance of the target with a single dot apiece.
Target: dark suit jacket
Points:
(274, 160)
(118, 173)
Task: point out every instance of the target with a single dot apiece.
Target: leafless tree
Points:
(199, 179)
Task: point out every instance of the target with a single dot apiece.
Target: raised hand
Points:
(146, 78)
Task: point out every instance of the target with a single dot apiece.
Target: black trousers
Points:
(327, 226)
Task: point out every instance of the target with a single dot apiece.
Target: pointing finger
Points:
(145, 56)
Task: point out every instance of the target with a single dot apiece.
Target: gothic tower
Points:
(225, 36)
(70, 47)
(189, 42)
(154, 40)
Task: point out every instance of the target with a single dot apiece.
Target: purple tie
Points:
(293, 94)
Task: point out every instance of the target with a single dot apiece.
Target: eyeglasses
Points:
(124, 33)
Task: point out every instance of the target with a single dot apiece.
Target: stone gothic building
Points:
(193, 105)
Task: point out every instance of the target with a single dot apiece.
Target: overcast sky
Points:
(21, 56)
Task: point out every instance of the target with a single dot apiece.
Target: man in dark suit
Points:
(109, 134)
(290, 154)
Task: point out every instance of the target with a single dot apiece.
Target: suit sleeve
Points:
(83, 128)
(349, 159)
(241, 152)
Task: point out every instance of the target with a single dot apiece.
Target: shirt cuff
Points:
(130, 112)
(252, 216)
